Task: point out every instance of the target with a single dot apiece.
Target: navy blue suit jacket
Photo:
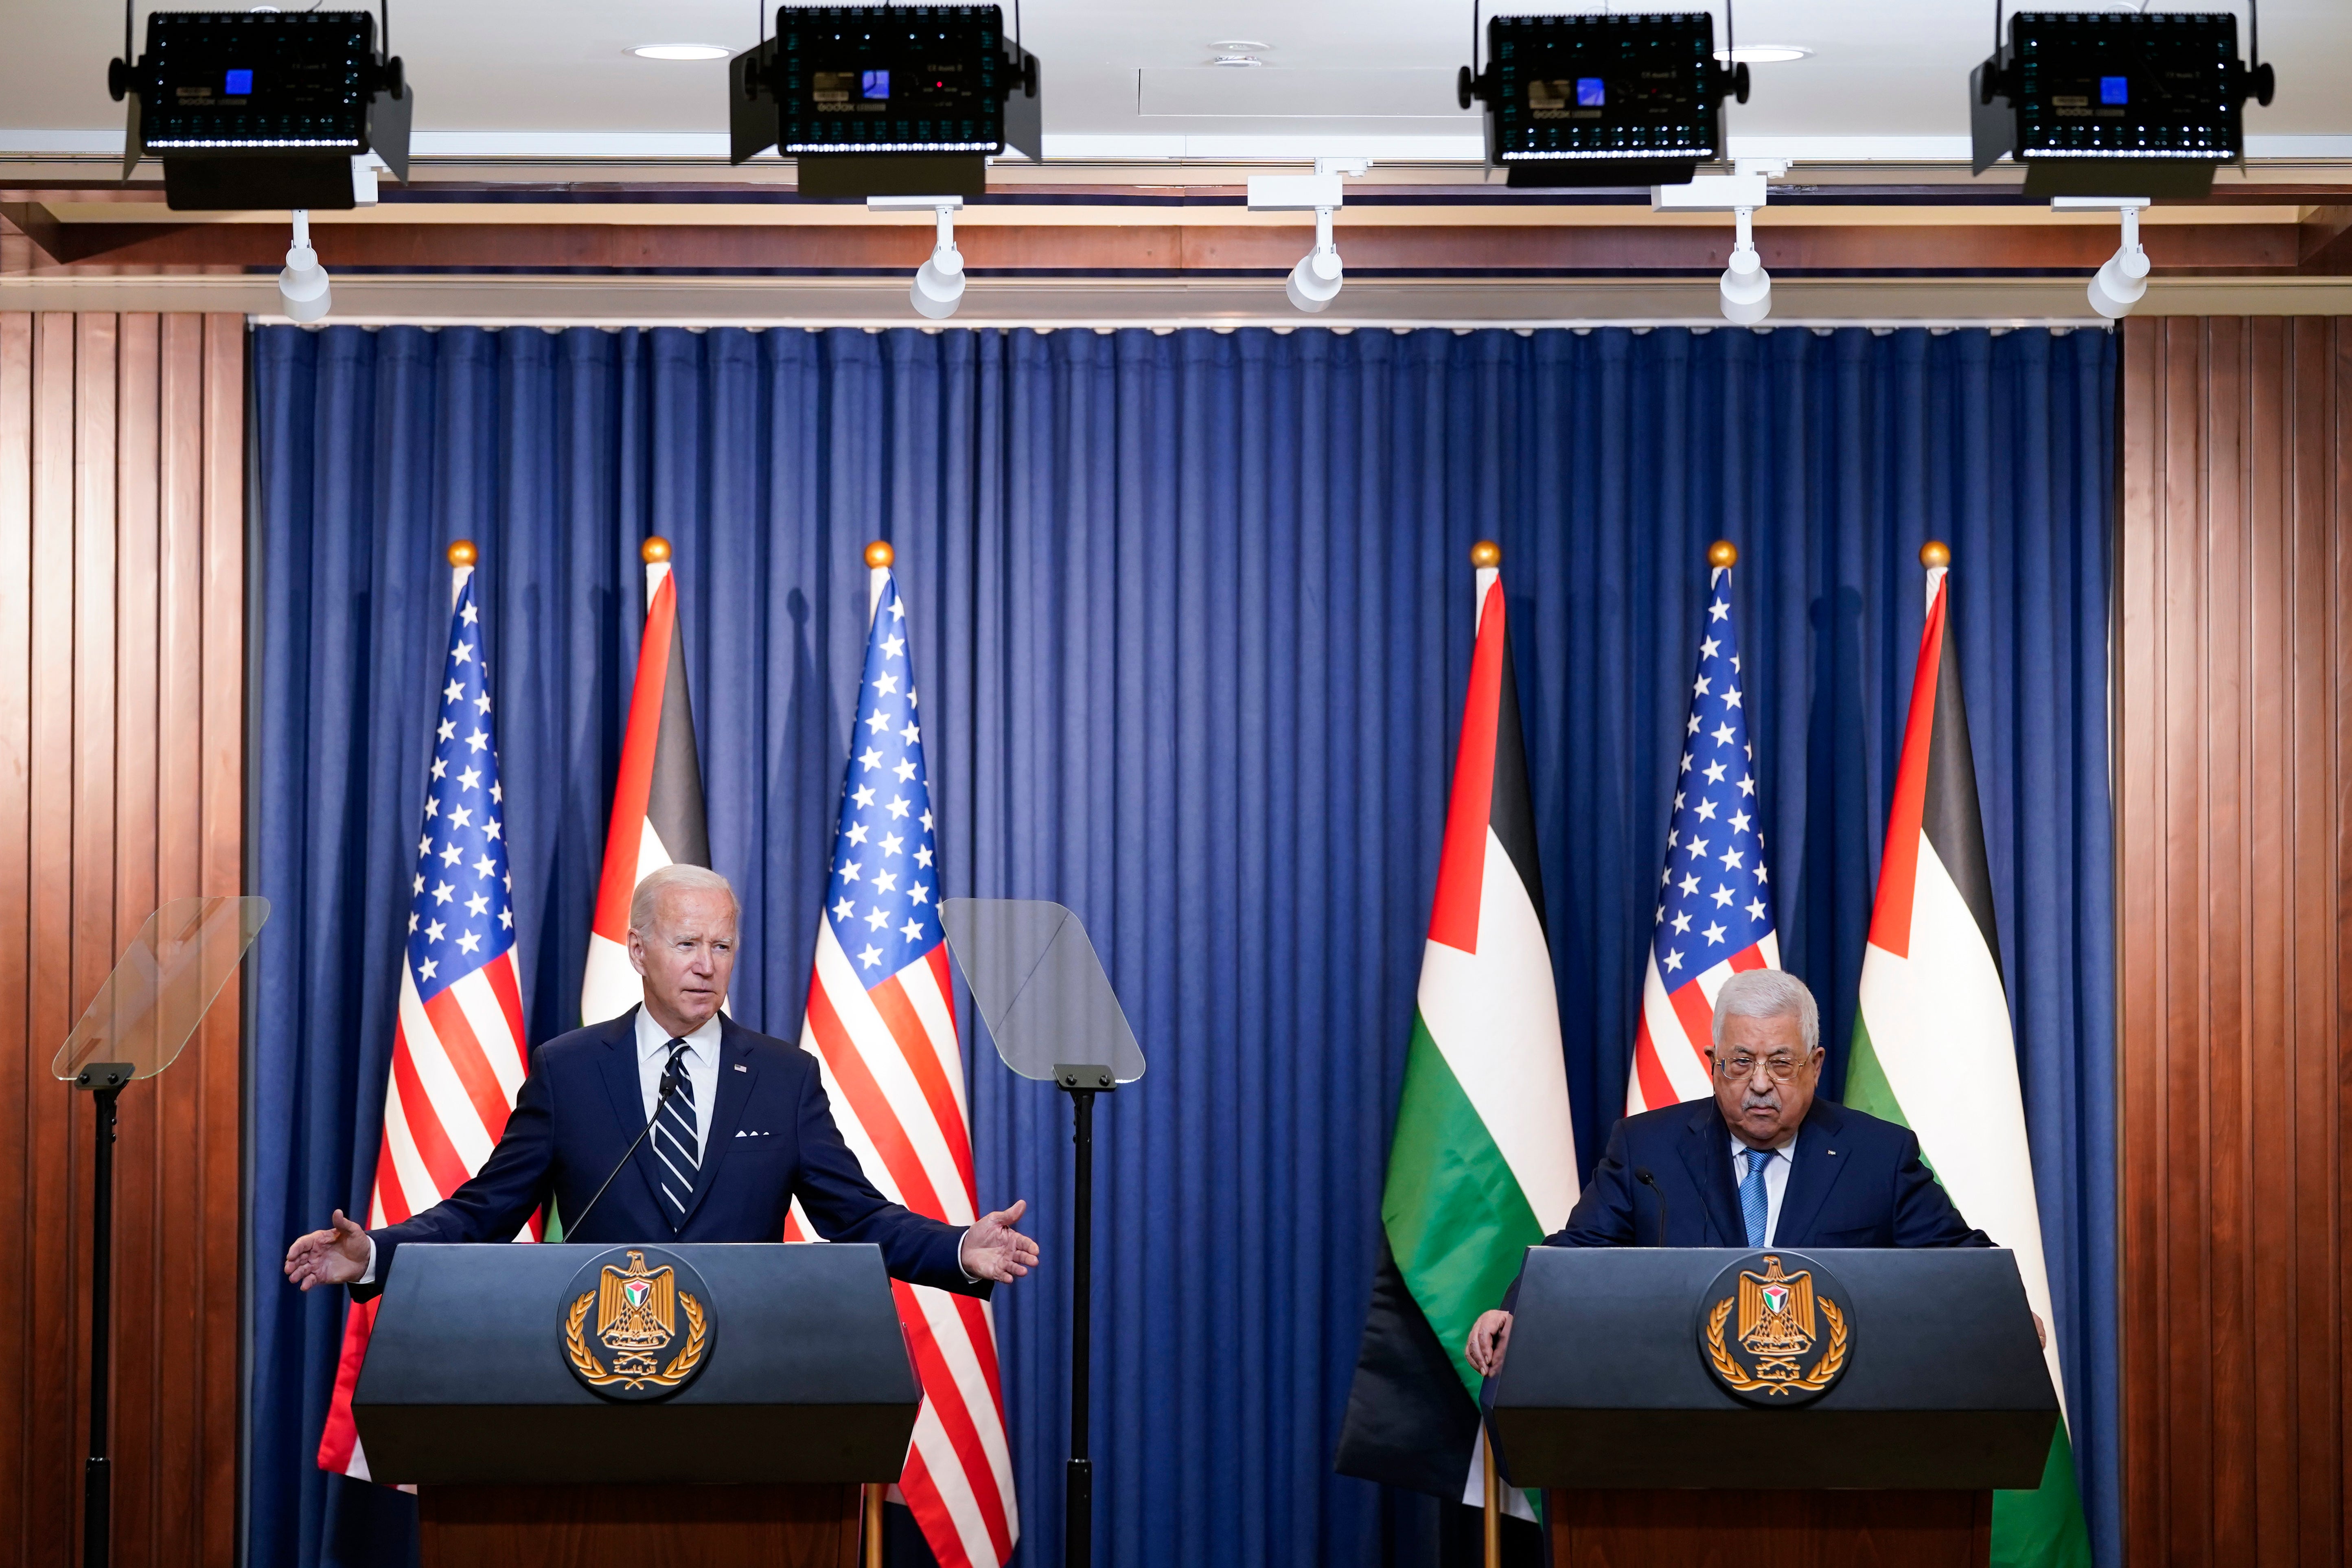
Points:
(771, 1137)
(1855, 1182)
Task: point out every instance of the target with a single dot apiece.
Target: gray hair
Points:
(685, 879)
(1768, 993)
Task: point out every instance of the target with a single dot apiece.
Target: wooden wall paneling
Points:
(53, 1345)
(121, 780)
(16, 874)
(215, 548)
(2235, 1080)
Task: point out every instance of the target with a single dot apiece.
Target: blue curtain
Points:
(1191, 615)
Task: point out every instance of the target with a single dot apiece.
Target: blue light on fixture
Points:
(239, 84)
(1591, 92)
(2115, 89)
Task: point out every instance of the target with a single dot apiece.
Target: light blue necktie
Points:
(1755, 1205)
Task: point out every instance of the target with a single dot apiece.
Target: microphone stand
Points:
(668, 1087)
(105, 1081)
(1642, 1175)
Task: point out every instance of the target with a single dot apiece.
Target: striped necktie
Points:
(675, 1139)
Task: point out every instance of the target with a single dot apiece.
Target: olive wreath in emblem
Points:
(1792, 1334)
(637, 1323)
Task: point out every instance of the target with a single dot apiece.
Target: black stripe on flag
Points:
(1949, 813)
(1510, 807)
(673, 795)
(1410, 1422)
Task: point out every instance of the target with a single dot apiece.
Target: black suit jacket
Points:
(1855, 1181)
(770, 1137)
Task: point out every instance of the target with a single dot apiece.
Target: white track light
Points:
(1315, 281)
(2119, 285)
(1747, 287)
(938, 282)
(303, 285)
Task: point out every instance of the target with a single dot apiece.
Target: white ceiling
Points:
(1124, 77)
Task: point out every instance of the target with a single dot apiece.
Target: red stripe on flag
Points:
(930, 1511)
(425, 1128)
(946, 1395)
(1656, 1091)
(1898, 869)
(984, 1346)
(1697, 1017)
(1748, 957)
(341, 1436)
(634, 784)
(463, 1051)
(501, 973)
(869, 1104)
(389, 1197)
(938, 959)
(792, 1231)
(1461, 865)
(923, 1055)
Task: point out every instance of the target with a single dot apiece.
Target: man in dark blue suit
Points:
(1763, 1163)
(740, 1126)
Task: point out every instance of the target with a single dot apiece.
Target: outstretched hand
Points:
(335, 1257)
(993, 1249)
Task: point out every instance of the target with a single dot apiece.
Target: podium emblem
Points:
(1776, 1329)
(637, 1323)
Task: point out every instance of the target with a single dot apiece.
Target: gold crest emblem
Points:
(1796, 1337)
(642, 1314)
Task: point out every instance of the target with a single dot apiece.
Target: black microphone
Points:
(668, 1087)
(1642, 1175)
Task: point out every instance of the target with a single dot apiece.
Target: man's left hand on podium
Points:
(993, 1249)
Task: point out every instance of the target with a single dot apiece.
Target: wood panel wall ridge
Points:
(122, 522)
(2233, 776)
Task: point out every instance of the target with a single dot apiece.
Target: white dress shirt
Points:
(702, 1068)
(1776, 1182)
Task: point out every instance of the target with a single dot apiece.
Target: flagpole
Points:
(879, 556)
(1494, 1499)
(1937, 557)
(654, 552)
(1487, 559)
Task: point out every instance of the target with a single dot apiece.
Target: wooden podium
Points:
(1614, 1396)
(801, 1392)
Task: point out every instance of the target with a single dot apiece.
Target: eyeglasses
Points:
(1781, 1068)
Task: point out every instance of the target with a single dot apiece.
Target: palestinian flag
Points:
(1484, 1162)
(657, 817)
(1932, 1046)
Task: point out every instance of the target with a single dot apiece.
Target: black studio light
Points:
(1589, 101)
(2115, 103)
(883, 101)
(263, 109)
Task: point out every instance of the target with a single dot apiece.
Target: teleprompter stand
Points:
(1046, 998)
(142, 1016)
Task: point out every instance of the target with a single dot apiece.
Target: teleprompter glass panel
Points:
(1603, 89)
(162, 985)
(891, 78)
(257, 81)
(2126, 85)
(1039, 986)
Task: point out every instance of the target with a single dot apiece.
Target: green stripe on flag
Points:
(1866, 1089)
(1456, 1221)
(2043, 1529)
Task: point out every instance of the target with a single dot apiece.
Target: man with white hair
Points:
(728, 1126)
(1765, 1162)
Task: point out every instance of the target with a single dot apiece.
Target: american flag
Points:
(458, 1051)
(1714, 908)
(881, 1021)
